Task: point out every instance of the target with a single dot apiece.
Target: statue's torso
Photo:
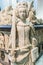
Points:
(23, 31)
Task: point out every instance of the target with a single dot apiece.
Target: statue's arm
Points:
(13, 32)
(33, 37)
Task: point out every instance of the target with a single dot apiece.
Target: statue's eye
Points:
(23, 4)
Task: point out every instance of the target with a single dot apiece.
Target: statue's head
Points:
(22, 9)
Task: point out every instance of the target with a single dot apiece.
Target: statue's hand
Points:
(25, 48)
(34, 42)
(16, 49)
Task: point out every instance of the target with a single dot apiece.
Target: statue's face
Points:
(22, 13)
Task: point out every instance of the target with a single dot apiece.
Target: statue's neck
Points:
(24, 20)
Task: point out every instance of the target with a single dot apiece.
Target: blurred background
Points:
(38, 5)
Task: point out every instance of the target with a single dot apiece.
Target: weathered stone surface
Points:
(18, 43)
(6, 16)
(20, 33)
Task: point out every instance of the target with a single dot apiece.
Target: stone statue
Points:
(21, 36)
(4, 39)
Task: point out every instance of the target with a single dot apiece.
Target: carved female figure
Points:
(20, 36)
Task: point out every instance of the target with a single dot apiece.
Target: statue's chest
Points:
(23, 28)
